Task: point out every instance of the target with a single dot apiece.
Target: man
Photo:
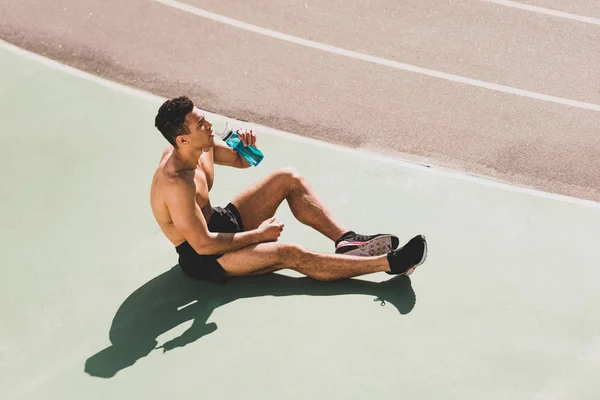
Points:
(214, 243)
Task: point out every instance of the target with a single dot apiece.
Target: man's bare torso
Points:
(201, 178)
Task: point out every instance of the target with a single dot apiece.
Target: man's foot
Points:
(405, 260)
(352, 244)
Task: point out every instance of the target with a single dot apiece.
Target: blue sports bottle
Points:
(252, 155)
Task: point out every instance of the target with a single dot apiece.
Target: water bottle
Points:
(250, 153)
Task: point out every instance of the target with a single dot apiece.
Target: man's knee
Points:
(290, 254)
(292, 177)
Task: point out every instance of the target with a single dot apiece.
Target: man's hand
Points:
(247, 137)
(270, 230)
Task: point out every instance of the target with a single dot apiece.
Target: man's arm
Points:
(225, 155)
(189, 221)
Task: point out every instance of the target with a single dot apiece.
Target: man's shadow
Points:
(153, 309)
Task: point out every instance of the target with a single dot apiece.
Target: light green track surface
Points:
(506, 307)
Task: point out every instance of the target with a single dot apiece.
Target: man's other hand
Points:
(247, 137)
(270, 230)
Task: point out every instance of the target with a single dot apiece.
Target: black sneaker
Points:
(352, 244)
(405, 260)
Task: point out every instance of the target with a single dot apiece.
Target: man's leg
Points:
(268, 257)
(260, 201)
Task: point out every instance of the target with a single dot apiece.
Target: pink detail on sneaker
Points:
(344, 243)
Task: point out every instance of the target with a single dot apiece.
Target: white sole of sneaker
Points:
(411, 270)
(424, 253)
(375, 247)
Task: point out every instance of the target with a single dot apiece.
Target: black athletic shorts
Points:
(206, 267)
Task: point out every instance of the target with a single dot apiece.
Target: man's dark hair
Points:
(170, 119)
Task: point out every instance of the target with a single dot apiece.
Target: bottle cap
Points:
(224, 132)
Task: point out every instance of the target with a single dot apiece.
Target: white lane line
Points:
(546, 11)
(376, 60)
(376, 157)
(187, 305)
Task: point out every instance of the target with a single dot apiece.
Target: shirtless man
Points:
(214, 243)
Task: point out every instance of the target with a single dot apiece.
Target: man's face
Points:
(201, 135)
